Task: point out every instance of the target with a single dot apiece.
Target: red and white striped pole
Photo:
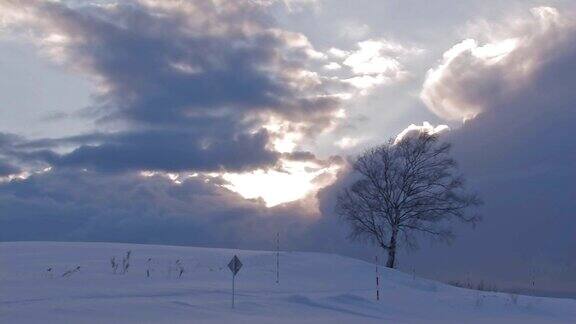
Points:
(377, 279)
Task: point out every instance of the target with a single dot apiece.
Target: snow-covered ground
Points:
(314, 288)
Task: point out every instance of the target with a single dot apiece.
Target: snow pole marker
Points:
(377, 279)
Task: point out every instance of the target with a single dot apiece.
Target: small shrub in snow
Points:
(457, 283)
(179, 267)
(169, 270)
(126, 262)
(481, 286)
(479, 299)
(70, 272)
(49, 273)
(114, 265)
(513, 298)
(148, 267)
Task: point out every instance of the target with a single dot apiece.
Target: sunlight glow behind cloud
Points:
(294, 182)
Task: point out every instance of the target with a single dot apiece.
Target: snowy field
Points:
(314, 288)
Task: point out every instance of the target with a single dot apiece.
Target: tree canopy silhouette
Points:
(404, 187)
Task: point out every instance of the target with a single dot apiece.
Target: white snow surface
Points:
(313, 288)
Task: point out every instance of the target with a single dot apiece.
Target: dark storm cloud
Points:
(133, 208)
(518, 152)
(10, 156)
(8, 140)
(211, 145)
(172, 151)
(200, 73)
(7, 168)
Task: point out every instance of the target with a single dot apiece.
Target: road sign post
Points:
(234, 265)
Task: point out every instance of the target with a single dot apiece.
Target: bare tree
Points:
(405, 187)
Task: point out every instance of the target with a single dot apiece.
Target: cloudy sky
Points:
(220, 123)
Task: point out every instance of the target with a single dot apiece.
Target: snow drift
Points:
(313, 288)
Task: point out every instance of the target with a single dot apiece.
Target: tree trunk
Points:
(391, 262)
